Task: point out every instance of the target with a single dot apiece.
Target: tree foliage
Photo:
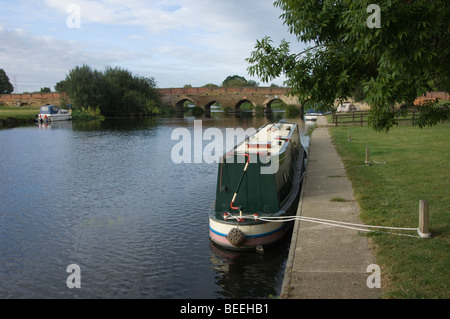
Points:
(210, 85)
(116, 92)
(236, 80)
(5, 85)
(388, 65)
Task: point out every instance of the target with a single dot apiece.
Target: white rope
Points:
(339, 222)
(283, 219)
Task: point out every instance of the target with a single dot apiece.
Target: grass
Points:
(27, 114)
(409, 164)
(18, 115)
(18, 112)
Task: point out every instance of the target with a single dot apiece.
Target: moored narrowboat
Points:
(258, 184)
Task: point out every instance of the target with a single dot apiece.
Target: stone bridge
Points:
(33, 99)
(231, 97)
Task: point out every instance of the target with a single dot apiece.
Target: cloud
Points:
(155, 16)
(42, 61)
(175, 41)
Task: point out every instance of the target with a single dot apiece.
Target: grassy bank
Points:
(18, 115)
(409, 164)
(12, 116)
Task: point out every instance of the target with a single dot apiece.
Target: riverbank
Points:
(408, 164)
(17, 116)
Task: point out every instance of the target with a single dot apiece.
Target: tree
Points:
(45, 90)
(129, 94)
(387, 53)
(210, 85)
(5, 86)
(86, 88)
(116, 92)
(236, 80)
(61, 86)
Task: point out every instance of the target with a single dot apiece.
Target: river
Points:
(108, 197)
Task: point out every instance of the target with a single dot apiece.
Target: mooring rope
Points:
(284, 219)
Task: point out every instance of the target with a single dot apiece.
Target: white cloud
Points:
(175, 41)
(42, 61)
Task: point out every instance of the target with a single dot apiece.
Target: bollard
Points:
(424, 210)
(367, 156)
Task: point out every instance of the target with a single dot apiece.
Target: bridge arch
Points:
(240, 102)
(179, 106)
(209, 104)
(268, 103)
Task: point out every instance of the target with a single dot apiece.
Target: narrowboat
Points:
(50, 113)
(258, 185)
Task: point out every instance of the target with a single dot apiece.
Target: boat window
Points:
(44, 110)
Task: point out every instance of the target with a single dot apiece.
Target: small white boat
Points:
(52, 113)
(311, 115)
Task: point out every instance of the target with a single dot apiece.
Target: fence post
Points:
(367, 156)
(361, 120)
(424, 211)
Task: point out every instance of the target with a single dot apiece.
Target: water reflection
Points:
(250, 274)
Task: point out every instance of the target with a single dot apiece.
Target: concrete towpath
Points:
(327, 262)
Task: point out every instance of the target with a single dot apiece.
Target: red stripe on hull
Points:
(250, 243)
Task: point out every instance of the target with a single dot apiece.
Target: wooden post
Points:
(367, 156)
(424, 211)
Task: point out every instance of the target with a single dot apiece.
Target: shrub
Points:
(116, 91)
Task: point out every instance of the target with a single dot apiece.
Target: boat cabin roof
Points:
(270, 138)
(49, 109)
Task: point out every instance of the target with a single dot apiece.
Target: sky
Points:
(176, 42)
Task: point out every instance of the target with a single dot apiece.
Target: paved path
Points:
(326, 261)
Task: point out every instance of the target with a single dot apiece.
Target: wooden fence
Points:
(360, 117)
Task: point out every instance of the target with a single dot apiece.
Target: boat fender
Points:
(236, 237)
(260, 249)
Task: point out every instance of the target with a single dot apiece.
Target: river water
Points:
(108, 197)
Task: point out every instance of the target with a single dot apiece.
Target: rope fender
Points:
(236, 237)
